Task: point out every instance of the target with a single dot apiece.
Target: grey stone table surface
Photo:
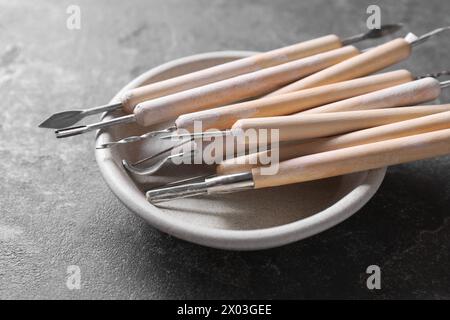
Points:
(56, 210)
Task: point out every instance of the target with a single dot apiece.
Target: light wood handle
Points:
(293, 128)
(234, 89)
(224, 117)
(406, 94)
(229, 70)
(363, 64)
(424, 124)
(357, 158)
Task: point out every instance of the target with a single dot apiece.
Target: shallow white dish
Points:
(248, 220)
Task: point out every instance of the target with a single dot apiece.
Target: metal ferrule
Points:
(219, 184)
(230, 183)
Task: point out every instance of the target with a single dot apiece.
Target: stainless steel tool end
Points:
(61, 120)
(385, 30)
(176, 192)
(69, 118)
(215, 185)
(64, 133)
(131, 139)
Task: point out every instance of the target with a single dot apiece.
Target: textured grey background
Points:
(56, 210)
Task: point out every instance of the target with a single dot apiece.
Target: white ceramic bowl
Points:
(248, 220)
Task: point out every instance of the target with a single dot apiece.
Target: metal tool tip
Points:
(105, 145)
(428, 35)
(48, 123)
(45, 124)
(73, 131)
(384, 30)
(176, 192)
(61, 120)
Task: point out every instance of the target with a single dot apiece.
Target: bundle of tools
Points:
(332, 115)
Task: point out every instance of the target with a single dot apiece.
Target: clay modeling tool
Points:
(248, 85)
(377, 91)
(308, 126)
(217, 73)
(317, 166)
(424, 124)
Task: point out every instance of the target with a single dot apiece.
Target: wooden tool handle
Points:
(406, 94)
(293, 128)
(235, 89)
(414, 126)
(363, 64)
(224, 117)
(229, 70)
(355, 159)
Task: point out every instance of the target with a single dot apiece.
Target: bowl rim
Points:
(124, 188)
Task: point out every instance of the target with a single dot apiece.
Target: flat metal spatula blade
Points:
(62, 120)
